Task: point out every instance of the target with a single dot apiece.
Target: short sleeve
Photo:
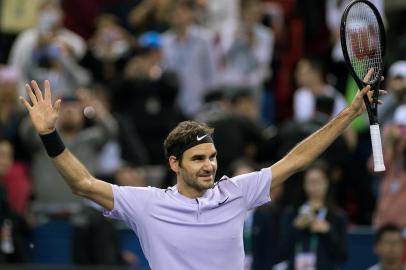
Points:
(255, 187)
(129, 203)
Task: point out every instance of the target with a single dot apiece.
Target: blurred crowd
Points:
(263, 73)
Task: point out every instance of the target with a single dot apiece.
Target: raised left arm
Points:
(314, 145)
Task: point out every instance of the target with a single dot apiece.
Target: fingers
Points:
(37, 91)
(367, 77)
(31, 94)
(25, 103)
(365, 90)
(57, 105)
(47, 94)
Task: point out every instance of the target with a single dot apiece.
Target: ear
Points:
(174, 164)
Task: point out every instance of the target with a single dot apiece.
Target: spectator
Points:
(188, 51)
(15, 190)
(239, 167)
(50, 51)
(146, 98)
(314, 235)
(86, 142)
(392, 190)
(397, 94)
(10, 111)
(221, 18)
(96, 239)
(338, 155)
(248, 60)
(266, 237)
(248, 133)
(311, 79)
(388, 247)
(110, 47)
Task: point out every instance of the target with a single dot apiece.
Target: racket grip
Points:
(379, 166)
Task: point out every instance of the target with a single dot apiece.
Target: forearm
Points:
(74, 172)
(310, 148)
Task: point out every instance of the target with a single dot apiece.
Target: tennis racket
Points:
(363, 43)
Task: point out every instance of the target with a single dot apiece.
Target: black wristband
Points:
(53, 144)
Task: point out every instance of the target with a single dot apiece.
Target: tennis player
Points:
(196, 224)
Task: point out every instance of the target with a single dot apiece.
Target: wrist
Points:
(53, 143)
(46, 132)
(351, 112)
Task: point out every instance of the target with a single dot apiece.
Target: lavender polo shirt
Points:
(179, 233)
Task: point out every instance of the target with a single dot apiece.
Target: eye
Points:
(197, 158)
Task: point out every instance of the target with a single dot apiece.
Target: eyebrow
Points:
(202, 156)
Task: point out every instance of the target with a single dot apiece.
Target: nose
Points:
(208, 165)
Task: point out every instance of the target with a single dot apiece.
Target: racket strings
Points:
(363, 41)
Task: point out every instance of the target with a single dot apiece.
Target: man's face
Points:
(198, 167)
(390, 247)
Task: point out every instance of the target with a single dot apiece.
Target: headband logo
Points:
(200, 138)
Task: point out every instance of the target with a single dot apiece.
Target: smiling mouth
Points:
(206, 177)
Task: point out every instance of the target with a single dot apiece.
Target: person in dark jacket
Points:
(315, 233)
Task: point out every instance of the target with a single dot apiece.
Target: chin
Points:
(206, 184)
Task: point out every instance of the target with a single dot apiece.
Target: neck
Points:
(317, 88)
(181, 32)
(316, 203)
(188, 191)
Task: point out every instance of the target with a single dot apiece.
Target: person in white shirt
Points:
(50, 51)
(310, 76)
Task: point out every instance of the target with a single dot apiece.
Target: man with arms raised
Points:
(196, 224)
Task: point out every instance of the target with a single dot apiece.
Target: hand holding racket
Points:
(363, 43)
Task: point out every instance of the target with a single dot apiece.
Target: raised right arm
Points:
(81, 182)
(44, 116)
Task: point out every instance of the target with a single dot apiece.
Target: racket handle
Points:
(379, 166)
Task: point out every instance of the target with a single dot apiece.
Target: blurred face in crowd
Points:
(251, 13)
(390, 248)
(50, 16)
(397, 84)
(8, 93)
(8, 88)
(197, 168)
(246, 106)
(6, 156)
(181, 16)
(306, 74)
(315, 184)
(71, 116)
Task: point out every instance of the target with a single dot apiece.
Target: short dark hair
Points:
(387, 228)
(183, 133)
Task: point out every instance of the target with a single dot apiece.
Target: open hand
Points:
(43, 115)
